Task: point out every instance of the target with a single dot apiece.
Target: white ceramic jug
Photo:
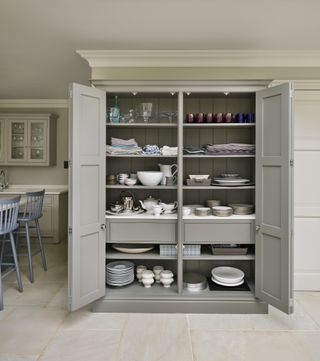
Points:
(169, 170)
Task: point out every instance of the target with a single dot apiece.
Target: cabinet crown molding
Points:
(201, 58)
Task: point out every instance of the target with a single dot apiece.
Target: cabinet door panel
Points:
(274, 197)
(17, 141)
(38, 138)
(86, 196)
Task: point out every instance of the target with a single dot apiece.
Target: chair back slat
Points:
(34, 203)
(9, 208)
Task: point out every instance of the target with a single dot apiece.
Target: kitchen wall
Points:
(55, 175)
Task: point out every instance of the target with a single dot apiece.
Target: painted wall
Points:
(55, 175)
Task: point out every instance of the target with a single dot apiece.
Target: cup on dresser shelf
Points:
(250, 118)
(121, 177)
(218, 118)
(209, 118)
(186, 211)
(240, 118)
(170, 181)
(227, 117)
(199, 117)
(189, 118)
(213, 203)
(157, 270)
(157, 210)
(139, 271)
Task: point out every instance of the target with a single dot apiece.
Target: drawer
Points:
(219, 232)
(141, 232)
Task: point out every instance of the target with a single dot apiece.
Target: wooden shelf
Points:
(219, 125)
(121, 186)
(206, 255)
(141, 125)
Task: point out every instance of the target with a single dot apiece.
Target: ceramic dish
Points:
(199, 176)
(241, 208)
(231, 181)
(132, 248)
(149, 178)
(230, 175)
(227, 284)
(133, 213)
(222, 211)
(202, 211)
(227, 274)
(213, 203)
(194, 282)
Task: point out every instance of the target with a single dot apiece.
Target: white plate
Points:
(231, 181)
(124, 213)
(132, 248)
(227, 284)
(227, 274)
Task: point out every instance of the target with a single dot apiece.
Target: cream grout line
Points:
(308, 313)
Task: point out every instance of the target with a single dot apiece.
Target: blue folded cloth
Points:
(151, 149)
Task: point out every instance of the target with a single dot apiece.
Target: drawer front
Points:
(219, 233)
(142, 232)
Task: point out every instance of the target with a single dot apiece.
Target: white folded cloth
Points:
(166, 150)
(123, 142)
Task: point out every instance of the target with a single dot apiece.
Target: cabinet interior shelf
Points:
(141, 125)
(154, 254)
(219, 187)
(139, 156)
(219, 125)
(219, 156)
(139, 186)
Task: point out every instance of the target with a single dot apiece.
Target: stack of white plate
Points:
(227, 276)
(120, 273)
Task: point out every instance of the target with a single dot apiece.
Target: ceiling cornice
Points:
(33, 103)
(201, 58)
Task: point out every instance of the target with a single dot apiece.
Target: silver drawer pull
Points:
(103, 226)
(258, 228)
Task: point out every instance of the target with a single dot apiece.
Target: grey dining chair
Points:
(9, 208)
(32, 212)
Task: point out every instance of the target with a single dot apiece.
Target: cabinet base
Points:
(179, 306)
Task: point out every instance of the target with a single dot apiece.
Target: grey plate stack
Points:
(194, 282)
(120, 273)
(241, 208)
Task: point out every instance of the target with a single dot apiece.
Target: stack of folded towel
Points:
(230, 149)
(166, 150)
(121, 146)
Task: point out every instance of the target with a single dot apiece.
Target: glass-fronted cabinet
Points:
(31, 139)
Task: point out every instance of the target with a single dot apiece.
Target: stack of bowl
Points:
(222, 211)
(241, 208)
(194, 282)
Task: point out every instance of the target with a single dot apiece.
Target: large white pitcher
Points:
(169, 170)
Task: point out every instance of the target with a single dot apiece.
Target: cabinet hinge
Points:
(291, 163)
(69, 163)
(70, 230)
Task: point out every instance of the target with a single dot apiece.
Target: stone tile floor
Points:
(35, 325)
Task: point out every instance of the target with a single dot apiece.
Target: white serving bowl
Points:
(150, 178)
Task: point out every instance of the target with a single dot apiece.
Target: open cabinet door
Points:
(86, 271)
(274, 197)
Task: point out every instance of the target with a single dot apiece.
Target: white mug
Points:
(157, 210)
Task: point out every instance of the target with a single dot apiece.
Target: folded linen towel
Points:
(230, 148)
(116, 150)
(166, 150)
(123, 142)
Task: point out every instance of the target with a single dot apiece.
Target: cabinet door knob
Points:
(258, 228)
(103, 226)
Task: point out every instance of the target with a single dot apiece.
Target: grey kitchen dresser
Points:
(268, 233)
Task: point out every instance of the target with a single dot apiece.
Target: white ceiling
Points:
(38, 38)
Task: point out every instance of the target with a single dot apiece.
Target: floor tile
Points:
(27, 330)
(155, 337)
(84, 319)
(34, 295)
(82, 345)
(255, 345)
(310, 302)
(19, 358)
(60, 299)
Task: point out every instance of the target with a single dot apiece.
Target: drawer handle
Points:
(258, 228)
(103, 226)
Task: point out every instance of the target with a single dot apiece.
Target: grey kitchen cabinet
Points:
(28, 139)
(269, 232)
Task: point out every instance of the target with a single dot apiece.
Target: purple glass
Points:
(250, 118)
(189, 118)
(209, 117)
(199, 118)
(218, 118)
(240, 118)
(227, 117)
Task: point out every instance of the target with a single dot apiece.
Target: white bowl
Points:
(166, 282)
(130, 182)
(150, 178)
